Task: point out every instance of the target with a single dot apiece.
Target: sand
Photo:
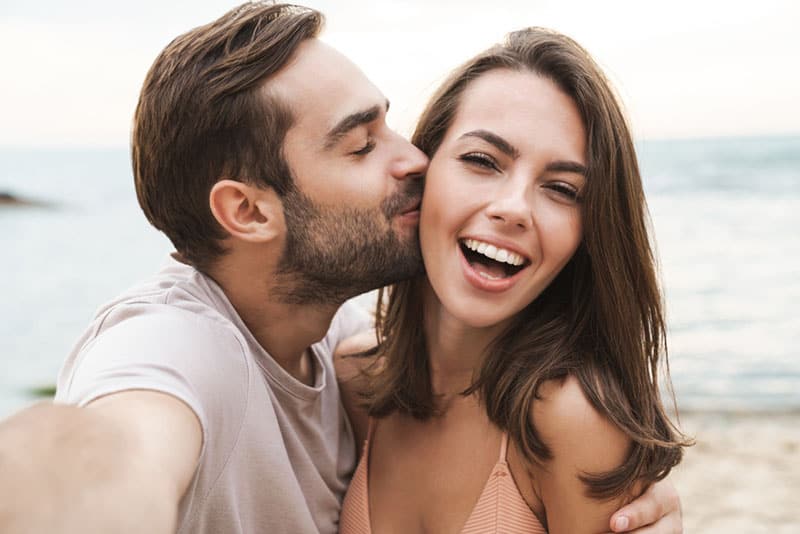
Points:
(743, 475)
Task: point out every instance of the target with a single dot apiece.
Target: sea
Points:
(725, 216)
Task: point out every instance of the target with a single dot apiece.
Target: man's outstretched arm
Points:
(656, 511)
(121, 464)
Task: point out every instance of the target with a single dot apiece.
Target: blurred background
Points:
(711, 94)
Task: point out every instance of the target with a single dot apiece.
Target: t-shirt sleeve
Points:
(167, 350)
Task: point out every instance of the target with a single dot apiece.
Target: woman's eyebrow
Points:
(511, 151)
(567, 166)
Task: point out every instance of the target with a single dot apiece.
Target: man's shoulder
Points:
(177, 296)
(171, 330)
(165, 336)
(166, 329)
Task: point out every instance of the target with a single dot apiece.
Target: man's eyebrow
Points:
(352, 121)
(494, 139)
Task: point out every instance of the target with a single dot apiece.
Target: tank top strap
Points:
(503, 447)
(371, 428)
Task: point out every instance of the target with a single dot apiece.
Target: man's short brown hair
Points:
(202, 117)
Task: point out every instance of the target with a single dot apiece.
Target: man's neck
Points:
(285, 331)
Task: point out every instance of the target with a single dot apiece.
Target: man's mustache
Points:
(405, 199)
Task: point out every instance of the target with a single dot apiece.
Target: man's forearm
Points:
(69, 470)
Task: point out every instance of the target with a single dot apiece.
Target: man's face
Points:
(352, 216)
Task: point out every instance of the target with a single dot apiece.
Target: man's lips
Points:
(412, 208)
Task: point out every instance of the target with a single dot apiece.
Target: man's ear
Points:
(247, 212)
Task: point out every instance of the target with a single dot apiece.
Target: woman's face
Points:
(500, 215)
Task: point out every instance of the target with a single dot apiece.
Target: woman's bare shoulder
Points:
(570, 424)
(582, 441)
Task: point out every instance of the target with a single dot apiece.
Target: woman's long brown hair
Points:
(601, 320)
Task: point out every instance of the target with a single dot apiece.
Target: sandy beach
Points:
(743, 475)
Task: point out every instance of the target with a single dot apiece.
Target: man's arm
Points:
(120, 464)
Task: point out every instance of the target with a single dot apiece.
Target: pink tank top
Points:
(500, 508)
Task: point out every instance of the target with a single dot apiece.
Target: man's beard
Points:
(335, 253)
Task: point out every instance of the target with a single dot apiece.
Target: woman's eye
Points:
(366, 149)
(480, 159)
(564, 189)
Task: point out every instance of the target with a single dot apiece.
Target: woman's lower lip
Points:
(485, 284)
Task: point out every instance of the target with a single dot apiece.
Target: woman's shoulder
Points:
(582, 442)
(573, 427)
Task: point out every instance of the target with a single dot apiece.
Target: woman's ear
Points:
(247, 212)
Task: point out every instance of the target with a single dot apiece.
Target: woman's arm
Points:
(582, 441)
(352, 382)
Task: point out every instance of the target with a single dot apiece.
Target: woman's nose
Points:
(512, 205)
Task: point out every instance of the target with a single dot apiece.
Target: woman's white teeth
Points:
(490, 251)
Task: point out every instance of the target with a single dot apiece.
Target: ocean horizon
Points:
(725, 215)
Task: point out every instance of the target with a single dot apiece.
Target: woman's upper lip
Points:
(499, 243)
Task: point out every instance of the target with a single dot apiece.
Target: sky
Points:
(71, 71)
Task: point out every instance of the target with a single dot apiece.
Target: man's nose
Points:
(411, 161)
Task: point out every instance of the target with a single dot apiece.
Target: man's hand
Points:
(656, 511)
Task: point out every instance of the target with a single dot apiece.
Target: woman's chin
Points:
(483, 316)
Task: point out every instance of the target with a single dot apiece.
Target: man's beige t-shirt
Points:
(277, 454)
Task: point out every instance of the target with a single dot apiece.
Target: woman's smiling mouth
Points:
(491, 267)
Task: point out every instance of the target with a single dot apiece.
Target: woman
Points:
(528, 399)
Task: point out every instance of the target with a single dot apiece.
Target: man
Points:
(204, 399)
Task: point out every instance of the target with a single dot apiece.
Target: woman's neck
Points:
(456, 350)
